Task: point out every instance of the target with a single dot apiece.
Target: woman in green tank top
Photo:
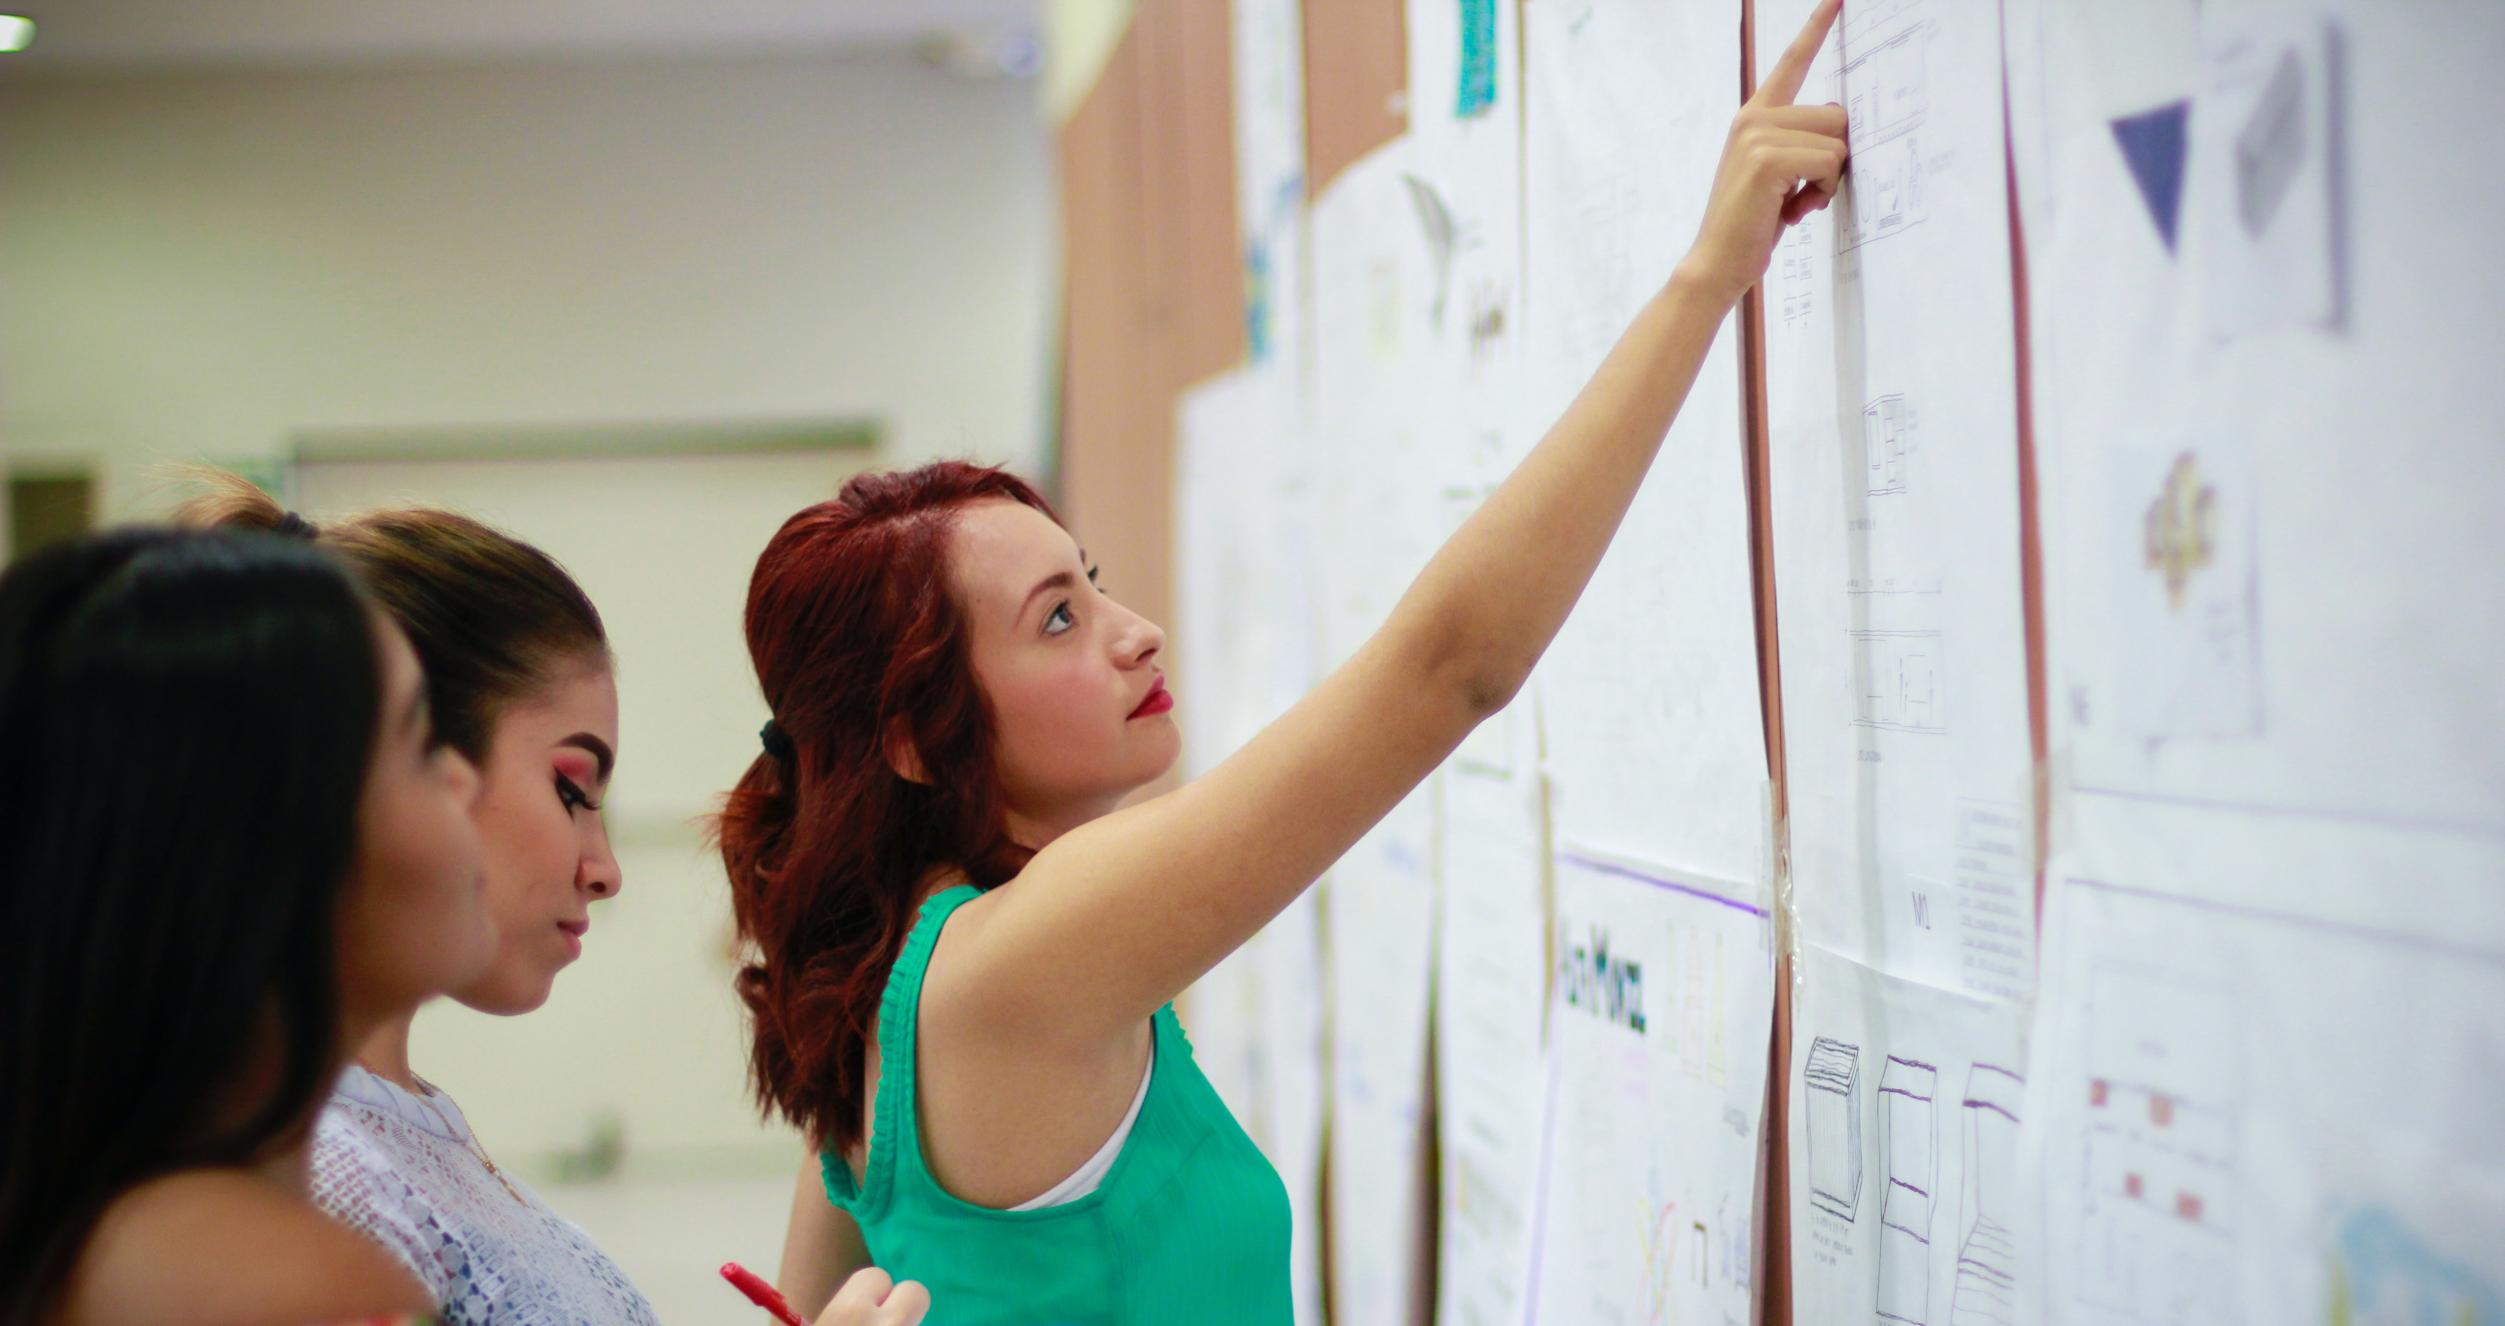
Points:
(962, 954)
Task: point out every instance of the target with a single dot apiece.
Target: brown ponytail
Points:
(493, 619)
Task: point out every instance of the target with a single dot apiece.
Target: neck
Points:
(289, 1165)
(1036, 832)
(383, 1049)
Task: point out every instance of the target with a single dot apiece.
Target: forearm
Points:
(1487, 605)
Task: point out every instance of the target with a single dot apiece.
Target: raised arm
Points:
(1116, 917)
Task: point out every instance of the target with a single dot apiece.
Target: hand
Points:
(1781, 163)
(869, 1298)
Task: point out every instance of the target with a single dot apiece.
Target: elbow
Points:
(1485, 693)
(1474, 673)
(1481, 681)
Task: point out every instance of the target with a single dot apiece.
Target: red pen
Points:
(760, 1293)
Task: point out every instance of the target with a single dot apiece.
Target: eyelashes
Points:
(571, 796)
(1061, 611)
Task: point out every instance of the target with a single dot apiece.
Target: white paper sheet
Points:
(1905, 1167)
(1386, 438)
(1662, 1005)
(2266, 1066)
(1491, 991)
(1892, 399)
(1649, 696)
(1380, 904)
(2374, 473)
(1245, 648)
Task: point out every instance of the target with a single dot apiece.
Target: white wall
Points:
(197, 264)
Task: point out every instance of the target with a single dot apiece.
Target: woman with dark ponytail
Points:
(523, 686)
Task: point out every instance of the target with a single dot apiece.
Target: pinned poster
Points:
(1491, 994)
(2266, 1077)
(1662, 1007)
(1891, 387)
(1905, 1110)
(1380, 905)
(1648, 698)
(2278, 625)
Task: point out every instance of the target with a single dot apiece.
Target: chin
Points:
(507, 998)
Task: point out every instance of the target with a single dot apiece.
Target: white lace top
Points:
(399, 1169)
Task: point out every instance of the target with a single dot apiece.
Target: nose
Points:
(1138, 641)
(598, 873)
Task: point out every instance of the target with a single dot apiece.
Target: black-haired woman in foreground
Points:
(233, 844)
(229, 844)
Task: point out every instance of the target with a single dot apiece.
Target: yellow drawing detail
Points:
(2179, 532)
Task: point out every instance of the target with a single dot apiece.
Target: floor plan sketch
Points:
(1906, 1122)
(2161, 1105)
(1896, 681)
(1833, 1106)
(1985, 1292)
(1885, 90)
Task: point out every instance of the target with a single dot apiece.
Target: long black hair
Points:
(186, 719)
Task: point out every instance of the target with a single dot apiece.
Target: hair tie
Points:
(294, 526)
(776, 741)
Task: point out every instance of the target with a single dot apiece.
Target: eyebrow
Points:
(1057, 580)
(413, 714)
(600, 753)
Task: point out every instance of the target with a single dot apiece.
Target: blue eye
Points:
(1059, 614)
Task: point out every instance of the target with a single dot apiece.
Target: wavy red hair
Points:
(860, 650)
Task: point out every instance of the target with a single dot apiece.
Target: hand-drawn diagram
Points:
(1885, 94)
(2158, 1218)
(1796, 269)
(1985, 1292)
(1896, 681)
(1906, 1122)
(1832, 1107)
(1887, 436)
(2179, 536)
(2271, 147)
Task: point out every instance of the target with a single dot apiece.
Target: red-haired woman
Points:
(964, 953)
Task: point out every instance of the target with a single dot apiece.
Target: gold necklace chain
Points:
(469, 1137)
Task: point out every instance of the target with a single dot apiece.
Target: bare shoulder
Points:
(227, 1248)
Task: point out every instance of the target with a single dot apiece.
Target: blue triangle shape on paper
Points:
(2152, 146)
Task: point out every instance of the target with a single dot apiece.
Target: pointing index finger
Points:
(1783, 81)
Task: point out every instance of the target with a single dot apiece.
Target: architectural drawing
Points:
(1887, 436)
(1885, 92)
(1906, 1121)
(1896, 681)
(2271, 147)
(1832, 1107)
(1985, 1292)
(2158, 1204)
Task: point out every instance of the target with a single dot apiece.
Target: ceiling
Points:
(196, 32)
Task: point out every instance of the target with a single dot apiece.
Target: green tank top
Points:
(1190, 1224)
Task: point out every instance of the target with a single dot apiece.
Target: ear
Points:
(902, 757)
